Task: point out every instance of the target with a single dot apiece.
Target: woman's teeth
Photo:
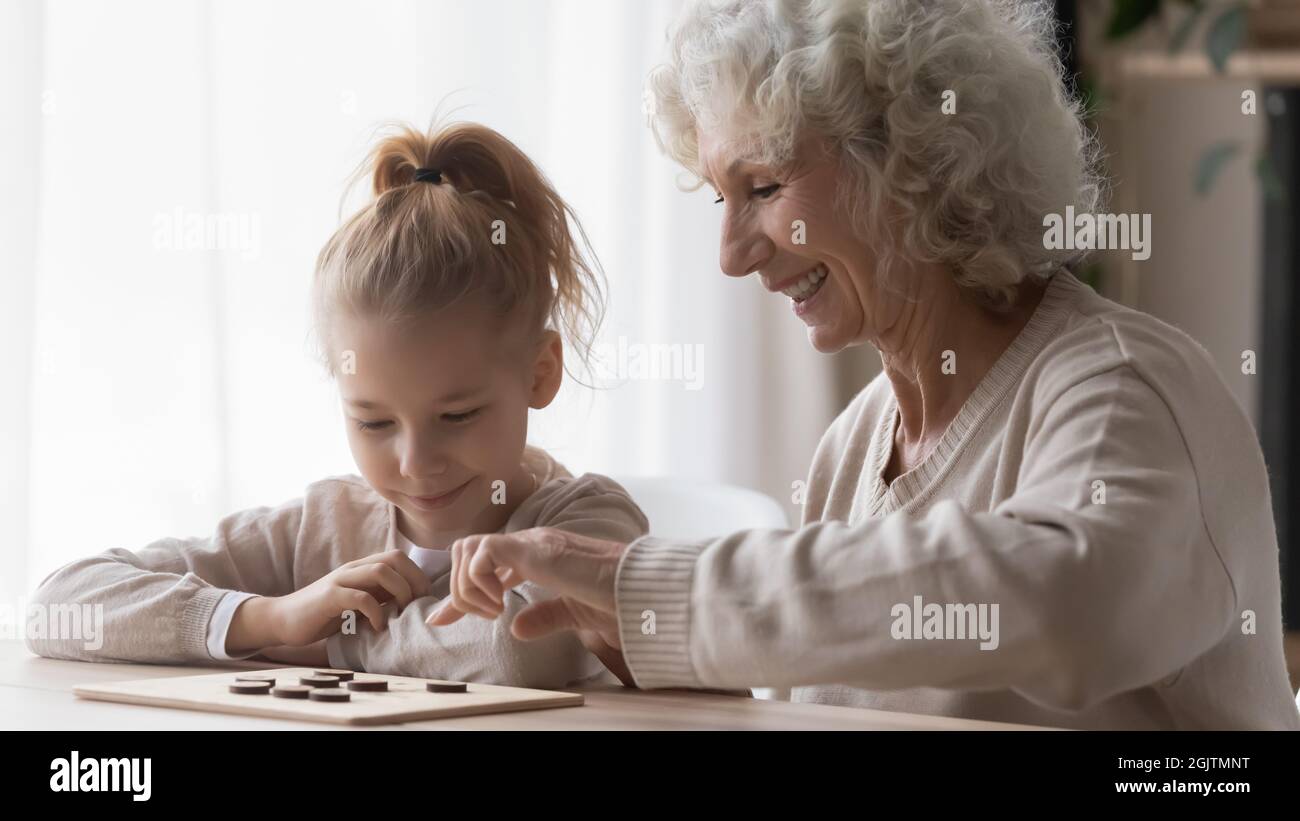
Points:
(808, 285)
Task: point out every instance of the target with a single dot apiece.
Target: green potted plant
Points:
(1265, 24)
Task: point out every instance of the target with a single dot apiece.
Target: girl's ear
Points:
(548, 370)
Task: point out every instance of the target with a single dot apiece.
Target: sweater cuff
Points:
(194, 621)
(336, 647)
(652, 589)
(219, 626)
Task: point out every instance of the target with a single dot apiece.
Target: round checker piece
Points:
(251, 688)
(328, 694)
(368, 685)
(341, 675)
(292, 691)
(319, 681)
(446, 687)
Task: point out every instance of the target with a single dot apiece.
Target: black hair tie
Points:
(432, 175)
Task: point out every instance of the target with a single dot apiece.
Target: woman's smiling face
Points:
(825, 270)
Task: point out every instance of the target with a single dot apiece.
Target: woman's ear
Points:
(548, 370)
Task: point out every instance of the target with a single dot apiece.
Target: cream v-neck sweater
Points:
(1101, 487)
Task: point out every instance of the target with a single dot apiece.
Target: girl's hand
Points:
(580, 570)
(362, 586)
(311, 655)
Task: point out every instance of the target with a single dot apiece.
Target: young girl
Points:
(438, 308)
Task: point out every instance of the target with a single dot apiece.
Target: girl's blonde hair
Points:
(494, 227)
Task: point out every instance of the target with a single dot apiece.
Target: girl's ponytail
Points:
(460, 210)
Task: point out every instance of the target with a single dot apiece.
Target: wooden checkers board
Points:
(406, 699)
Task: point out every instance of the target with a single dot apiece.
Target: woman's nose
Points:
(744, 248)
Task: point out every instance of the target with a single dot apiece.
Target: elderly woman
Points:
(1047, 509)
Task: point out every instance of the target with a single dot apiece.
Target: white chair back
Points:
(692, 509)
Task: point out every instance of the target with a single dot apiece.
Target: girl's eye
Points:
(455, 418)
(371, 425)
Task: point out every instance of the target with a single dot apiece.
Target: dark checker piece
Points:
(319, 681)
(368, 685)
(291, 691)
(330, 695)
(446, 686)
(341, 675)
(252, 688)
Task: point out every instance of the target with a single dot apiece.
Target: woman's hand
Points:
(579, 570)
(314, 612)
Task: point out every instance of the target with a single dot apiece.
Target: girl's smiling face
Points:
(437, 414)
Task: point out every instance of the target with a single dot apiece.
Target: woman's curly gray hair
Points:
(970, 189)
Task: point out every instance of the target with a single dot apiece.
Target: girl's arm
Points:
(309, 655)
(155, 604)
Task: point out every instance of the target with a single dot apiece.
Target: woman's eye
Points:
(371, 425)
(455, 418)
(762, 193)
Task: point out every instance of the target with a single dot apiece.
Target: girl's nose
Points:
(423, 456)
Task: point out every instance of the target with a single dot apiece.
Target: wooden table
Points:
(36, 694)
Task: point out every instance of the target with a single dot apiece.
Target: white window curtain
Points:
(157, 378)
